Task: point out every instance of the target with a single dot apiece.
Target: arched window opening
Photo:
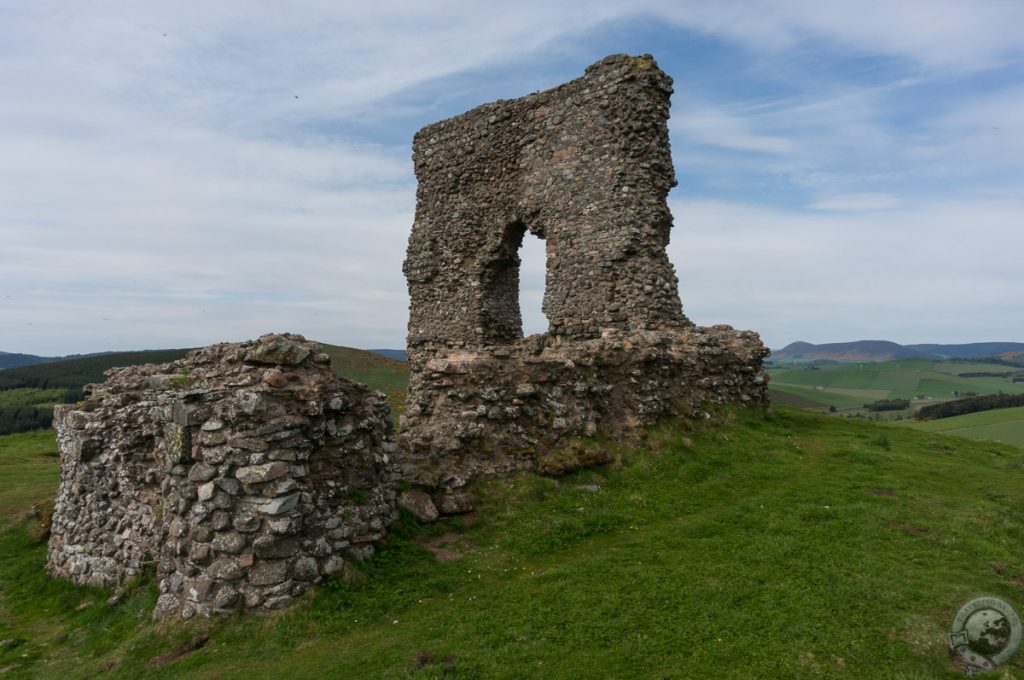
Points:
(512, 286)
(532, 275)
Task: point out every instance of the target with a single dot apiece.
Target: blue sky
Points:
(181, 173)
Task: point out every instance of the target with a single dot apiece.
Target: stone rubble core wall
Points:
(244, 472)
(586, 167)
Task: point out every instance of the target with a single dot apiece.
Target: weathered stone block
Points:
(277, 349)
(255, 474)
(268, 573)
(282, 504)
(419, 504)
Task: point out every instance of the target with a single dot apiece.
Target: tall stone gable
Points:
(586, 167)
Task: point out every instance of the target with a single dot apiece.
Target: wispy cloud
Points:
(856, 202)
(717, 127)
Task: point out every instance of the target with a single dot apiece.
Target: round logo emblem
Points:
(985, 634)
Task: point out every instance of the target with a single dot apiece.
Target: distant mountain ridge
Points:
(884, 350)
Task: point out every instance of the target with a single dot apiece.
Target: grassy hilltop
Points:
(792, 545)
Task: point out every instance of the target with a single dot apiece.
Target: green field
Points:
(922, 381)
(1004, 425)
(848, 387)
(792, 546)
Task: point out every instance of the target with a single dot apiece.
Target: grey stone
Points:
(306, 569)
(270, 547)
(201, 472)
(277, 350)
(268, 573)
(230, 542)
(220, 520)
(255, 474)
(247, 523)
(333, 565)
(419, 504)
(205, 491)
(279, 602)
(281, 504)
(231, 486)
(199, 589)
(225, 569)
(227, 597)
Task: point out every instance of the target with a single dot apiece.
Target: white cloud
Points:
(856, 202)
(162, 184)
(941, 270)
(716, 127)
(960, 35)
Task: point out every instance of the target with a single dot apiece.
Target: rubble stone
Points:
(140, 481)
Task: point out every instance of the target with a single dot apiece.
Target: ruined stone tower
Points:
(586, 167)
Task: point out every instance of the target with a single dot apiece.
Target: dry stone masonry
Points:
(244, 472)
(586, 167)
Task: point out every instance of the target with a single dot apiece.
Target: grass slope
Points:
(29, 471)
(792, 546)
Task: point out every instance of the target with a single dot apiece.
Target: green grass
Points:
(792, 546)
(1004, 425)
(29, 471)
(30, 396)
(379, 372)
(780, 398)
(827, 396)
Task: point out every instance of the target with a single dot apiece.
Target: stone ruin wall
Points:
(246, 472)
(586, 167)
(243, 472)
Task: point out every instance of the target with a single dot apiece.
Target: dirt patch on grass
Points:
(882, 492)
(447, 547)
(196, 643)
(913, 529)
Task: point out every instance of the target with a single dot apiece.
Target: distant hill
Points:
(392, 353)
(28, 392)
(15, 360)
(77, 372)
(884, 350)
